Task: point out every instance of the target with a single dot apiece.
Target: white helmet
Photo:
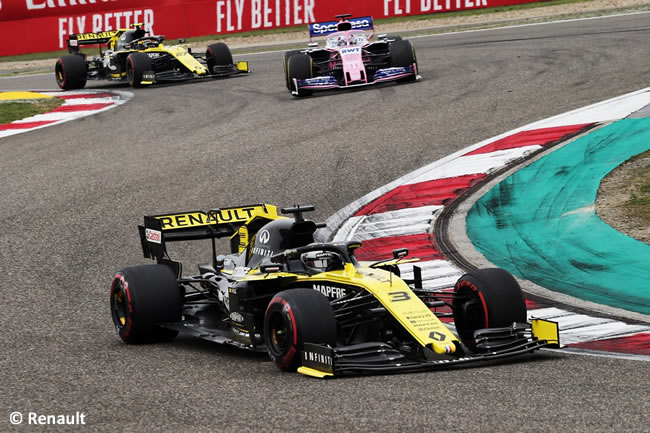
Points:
(322, 261)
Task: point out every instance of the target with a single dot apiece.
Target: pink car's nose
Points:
(353, 67)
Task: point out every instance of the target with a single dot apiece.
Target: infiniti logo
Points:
(265, 236)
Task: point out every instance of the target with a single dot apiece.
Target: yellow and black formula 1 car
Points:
(130, 55)
(312, 306)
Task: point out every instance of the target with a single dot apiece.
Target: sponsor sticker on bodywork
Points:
(199, 218)
(154, 236)
(329, 27)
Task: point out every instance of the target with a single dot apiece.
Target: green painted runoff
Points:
(540, 223)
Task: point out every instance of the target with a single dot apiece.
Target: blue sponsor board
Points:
(329, 27)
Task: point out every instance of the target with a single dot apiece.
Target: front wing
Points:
(150, 77)
(380, 358)
(383, 75)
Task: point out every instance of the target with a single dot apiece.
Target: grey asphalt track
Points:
(72, 196)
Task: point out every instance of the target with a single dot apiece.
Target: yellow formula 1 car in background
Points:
(130, 55)
(312, 306)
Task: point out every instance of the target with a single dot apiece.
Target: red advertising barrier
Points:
(28, 26)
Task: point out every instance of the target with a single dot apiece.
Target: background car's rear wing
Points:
(78, 39)
(328, 27)
(186, 226)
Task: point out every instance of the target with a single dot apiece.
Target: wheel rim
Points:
(280, 335)
(119, 306)
(60, 78)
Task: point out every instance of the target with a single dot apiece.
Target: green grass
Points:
(379, 22)
(16, 110)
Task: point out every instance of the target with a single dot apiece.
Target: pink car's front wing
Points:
(381, 76)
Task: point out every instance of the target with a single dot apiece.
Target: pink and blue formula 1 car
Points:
(348, 58)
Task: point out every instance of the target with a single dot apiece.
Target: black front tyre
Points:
(141, 298)
(486, 298)
(293, 318)
(402, 54)
(136, 65)
(285, 61)
(218, 55)
(300, 66)
(71, 72)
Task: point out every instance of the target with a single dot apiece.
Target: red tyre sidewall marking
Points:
(475, 289)
(287, 310)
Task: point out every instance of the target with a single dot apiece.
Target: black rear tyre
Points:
(486, 298)
(402, 54)
(293, 318)
(218, 55)
(142, 297)
(300, 67)
(71, 72)
(136, 65)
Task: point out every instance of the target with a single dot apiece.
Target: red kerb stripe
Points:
(81, 107)
(429, 193)
(541, 137)
(638, 344)
(25, 125)
(87, 95)
(419, 245)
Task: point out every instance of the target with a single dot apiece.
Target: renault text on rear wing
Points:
(329, 27)
(75, 40)
(194, 225)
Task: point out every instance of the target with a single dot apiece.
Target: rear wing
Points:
(78, 39)
(328, 27)
(194, 225)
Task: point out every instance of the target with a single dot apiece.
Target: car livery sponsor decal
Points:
(240, 271)
(199, 218)
(329, 27)
(262, 252)
(317, 357)
(98, 35)
(319, 81)
(351, 50)
(331, 291)
(264, 237)
(154, 236)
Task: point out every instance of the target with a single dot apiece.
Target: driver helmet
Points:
(322, 261)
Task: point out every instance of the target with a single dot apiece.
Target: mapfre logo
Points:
(42, 4)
